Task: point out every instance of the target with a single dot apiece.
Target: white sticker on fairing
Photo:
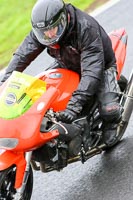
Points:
(2, 151)
(40, 106)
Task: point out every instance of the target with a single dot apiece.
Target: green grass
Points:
(15, 24)
(82, 4)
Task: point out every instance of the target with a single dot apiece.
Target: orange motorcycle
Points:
(28, 109)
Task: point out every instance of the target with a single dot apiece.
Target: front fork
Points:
(22, 162)
(21, 189)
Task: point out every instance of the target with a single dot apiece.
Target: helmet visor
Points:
(51, 34)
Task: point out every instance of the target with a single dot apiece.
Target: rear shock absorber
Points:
(127, 100)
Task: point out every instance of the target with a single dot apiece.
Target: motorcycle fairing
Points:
(26, 127)
(9, 158)
(119, 45)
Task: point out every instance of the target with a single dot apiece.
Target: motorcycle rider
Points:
(79, 43)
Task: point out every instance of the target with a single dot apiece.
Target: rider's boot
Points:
(110, 133)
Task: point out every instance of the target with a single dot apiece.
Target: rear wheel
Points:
(7, 180)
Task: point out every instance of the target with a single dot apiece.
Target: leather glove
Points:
(67, 116)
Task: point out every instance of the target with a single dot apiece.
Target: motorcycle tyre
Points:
(7, 177)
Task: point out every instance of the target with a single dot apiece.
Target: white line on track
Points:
(104, 7)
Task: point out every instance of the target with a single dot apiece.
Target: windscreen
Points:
(19, 94)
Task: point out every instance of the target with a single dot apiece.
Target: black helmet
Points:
(46, 15)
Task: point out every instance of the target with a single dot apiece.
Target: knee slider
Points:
(111, 112)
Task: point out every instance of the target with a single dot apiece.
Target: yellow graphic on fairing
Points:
(19, 94)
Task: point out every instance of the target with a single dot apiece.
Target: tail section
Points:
(119, 44)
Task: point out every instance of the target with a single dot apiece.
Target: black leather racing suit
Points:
(86, 49)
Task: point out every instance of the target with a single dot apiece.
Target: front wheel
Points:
(7, 180)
